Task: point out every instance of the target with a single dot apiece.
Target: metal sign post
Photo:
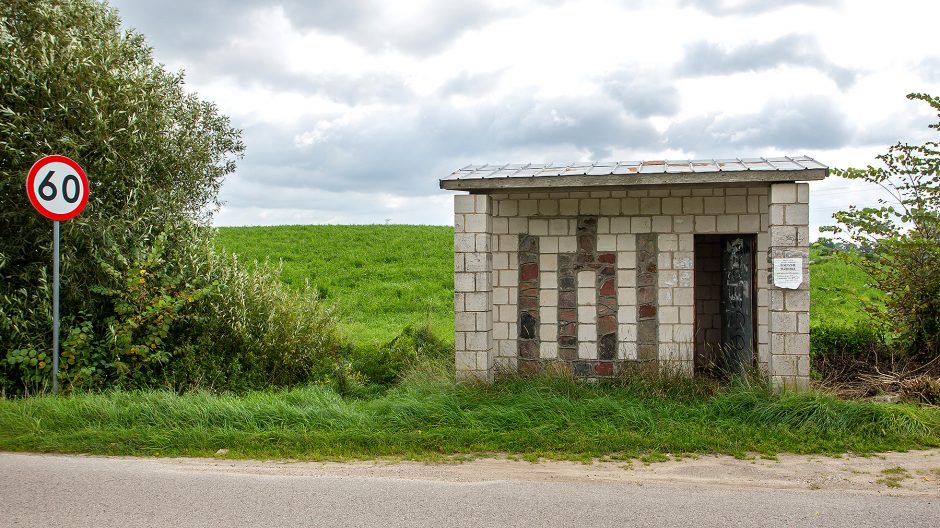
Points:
(58, 188)
(55, 307)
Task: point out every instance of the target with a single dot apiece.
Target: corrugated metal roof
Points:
(539, 170)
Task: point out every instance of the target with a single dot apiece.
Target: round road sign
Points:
(57, 187)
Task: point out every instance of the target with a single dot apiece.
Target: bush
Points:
(190, 319)
(145, 301)
(860, 341)
(387, 363)
(904, 236)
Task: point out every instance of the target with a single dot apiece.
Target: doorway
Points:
(724, 304)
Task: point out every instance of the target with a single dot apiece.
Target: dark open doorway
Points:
(724, 303)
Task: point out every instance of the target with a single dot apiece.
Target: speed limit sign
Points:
(57, 187)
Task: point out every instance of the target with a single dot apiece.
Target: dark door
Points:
(737, 304)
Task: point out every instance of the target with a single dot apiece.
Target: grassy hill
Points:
(379, 277)
(838, 290)
(383, 277)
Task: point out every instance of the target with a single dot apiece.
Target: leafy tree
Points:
(139, 289)
(904, 235)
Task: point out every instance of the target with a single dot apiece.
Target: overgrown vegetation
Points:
(904, 236)
(428, 416)
(146, 302)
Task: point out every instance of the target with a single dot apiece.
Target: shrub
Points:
(145, 300)
(387, 363)
(856, 341)
(903, 233)
(185, 320)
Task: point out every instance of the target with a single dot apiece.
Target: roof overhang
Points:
(632, 180)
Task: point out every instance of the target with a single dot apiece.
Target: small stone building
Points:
(692, 266)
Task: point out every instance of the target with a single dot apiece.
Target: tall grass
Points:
(428, 416)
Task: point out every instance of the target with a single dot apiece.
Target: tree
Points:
(140, 295)
(904, 234)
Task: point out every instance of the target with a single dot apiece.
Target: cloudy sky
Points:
(353, 109)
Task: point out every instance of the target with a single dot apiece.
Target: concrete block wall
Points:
(648, 234)
(473, 286)
(789, 308)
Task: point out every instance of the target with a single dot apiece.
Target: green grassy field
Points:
(837, 290)
(381, 278)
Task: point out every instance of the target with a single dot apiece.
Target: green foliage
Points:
(904, 234)
(146, 301)
(429, 416)
(846, 341)
(412, 347)
(380, 277)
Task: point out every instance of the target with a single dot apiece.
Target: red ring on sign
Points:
(34, 171)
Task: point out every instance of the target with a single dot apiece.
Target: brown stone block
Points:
(567, 354)
(646, 333)
(607, 306)
(646, 311)
(568, 299)
(607, 258)
(528, 289)
(568, 315)
(606, 325)
(529, 271)
(646, 294)
(569, 329)
(528, 349)
(604, 368)
(608, 287)
(567, 341)
(528, 303)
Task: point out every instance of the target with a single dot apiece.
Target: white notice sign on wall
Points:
(788, 272)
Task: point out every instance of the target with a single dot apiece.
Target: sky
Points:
(353, 110)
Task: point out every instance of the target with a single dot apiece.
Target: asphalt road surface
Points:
(51, 490)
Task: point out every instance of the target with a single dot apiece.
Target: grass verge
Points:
(429, 417)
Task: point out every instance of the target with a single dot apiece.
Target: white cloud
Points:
(353, 110)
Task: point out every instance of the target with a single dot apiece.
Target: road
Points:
(101, 492)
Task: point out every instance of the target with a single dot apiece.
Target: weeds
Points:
(428, 416)
(893, 476)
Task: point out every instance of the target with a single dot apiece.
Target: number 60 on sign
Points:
(57, 187)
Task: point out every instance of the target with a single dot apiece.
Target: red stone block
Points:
(604, 368)
(608, 288)
(647, 310)
(529, 271)
(607, 258)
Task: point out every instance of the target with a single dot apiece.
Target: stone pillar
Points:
(473, 287)
(789, 308)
